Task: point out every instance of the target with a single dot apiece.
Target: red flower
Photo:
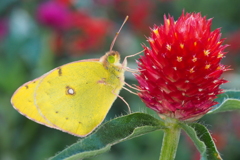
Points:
(65, 2)
(234, 42)
(85, 34)
(139, 12)
(180, 72)
(75, 31)
(92, 31)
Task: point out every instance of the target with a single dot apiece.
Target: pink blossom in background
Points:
(85, 34)
(54, 14)
(3, 28)
(234, 42)
(140, 13)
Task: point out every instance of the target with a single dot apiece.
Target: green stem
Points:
(170, 143)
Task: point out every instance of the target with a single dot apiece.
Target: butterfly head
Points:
(113, 57)
(111, 61)
(110, 58)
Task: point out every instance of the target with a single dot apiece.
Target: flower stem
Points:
(170, 143)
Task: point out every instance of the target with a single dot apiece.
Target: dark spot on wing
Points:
(34, 81)
(26, 86)
(80, 122)
(59, 71)
(66, 118)
(56, 112)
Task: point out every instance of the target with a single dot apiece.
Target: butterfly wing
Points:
(23, 101)
(76, 97)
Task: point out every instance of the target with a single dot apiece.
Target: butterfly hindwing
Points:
(23, 101)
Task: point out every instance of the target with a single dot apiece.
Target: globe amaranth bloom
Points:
(180, 73)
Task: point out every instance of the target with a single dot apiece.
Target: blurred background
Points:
(39, 35)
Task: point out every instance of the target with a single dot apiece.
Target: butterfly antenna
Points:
(114, 40)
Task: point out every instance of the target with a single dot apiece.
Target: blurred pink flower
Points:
(139, 12)
(234, 42)
(54, 14)
(235, 124)
(65, 2)
(87, 34)
(76, 31)
(220, 139)
(92, 32)
(3, 28)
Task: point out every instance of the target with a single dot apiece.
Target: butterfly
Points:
(76, 97)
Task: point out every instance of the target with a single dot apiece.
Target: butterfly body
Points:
(75, 97)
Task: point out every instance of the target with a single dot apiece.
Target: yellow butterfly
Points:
(75, 97)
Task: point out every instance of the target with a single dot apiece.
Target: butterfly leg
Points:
(129, 109)
(133, 87)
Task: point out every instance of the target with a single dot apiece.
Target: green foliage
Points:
(228, 101)
(112, 132)
(202, 140)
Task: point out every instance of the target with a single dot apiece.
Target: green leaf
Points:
(112, 132)
(228, 101)
(202, 140)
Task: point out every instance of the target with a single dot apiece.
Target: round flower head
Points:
(180, 72)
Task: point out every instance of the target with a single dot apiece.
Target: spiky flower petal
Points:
(180, 72)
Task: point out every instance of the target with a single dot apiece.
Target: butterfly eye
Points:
(111, 59)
